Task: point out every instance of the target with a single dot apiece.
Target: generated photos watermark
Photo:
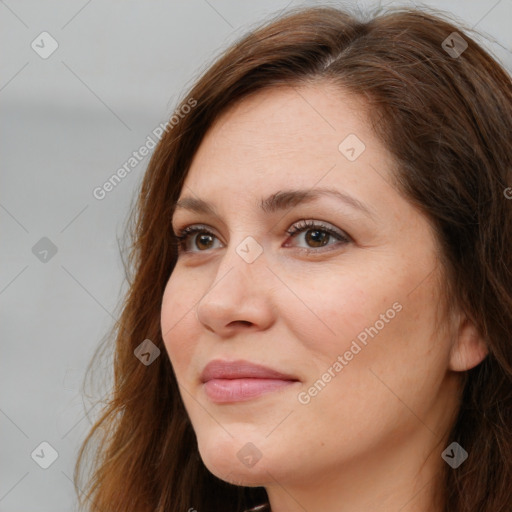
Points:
(100, 192)
(304, 397)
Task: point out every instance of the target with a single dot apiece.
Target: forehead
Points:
(290, 136)
(298, 120)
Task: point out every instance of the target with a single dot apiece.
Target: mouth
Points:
(236, 381)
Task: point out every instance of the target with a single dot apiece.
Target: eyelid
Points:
(304, 225)
(303, 222)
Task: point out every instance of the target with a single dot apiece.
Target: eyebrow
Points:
(282, 200)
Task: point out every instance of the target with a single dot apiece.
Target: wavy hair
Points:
(446, 116)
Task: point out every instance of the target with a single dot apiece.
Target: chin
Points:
(236, 462)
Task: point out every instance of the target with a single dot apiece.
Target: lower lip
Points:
(238, 390)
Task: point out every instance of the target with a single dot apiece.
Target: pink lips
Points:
(234, 381)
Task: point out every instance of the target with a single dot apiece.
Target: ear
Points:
(469, 348)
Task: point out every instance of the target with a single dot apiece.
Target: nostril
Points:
(243, 322)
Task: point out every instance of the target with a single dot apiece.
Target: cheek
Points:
(178, 321)
(380, 327)
(331, 307)
(403, 361)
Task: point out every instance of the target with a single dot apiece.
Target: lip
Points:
(240, 380)
(240, 369)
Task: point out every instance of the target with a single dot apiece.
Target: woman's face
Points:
(345, 307)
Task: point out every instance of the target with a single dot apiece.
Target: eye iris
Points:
(204, 238)
(318, 238)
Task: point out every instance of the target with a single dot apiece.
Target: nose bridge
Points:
(243, 262)
(238, 292)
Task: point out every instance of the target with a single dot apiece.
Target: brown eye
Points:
(195, 239)
(203, 240)
(317, 235)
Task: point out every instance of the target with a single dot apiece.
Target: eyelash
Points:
(303, 225)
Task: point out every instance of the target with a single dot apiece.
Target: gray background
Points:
(68, 123)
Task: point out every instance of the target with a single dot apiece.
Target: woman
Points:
(320, 311)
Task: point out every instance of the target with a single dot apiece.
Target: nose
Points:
(239, 297)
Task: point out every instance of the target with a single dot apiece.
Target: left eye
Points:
(315, 235)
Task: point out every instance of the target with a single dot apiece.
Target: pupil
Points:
(206, 239)
(320, 238)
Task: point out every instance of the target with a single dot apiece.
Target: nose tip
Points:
(239, 300)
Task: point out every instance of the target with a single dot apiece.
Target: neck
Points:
(399, 478)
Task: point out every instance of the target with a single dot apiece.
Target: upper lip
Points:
(239, 369)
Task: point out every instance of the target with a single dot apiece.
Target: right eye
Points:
(198, 236)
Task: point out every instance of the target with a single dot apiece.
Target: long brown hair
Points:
(445, 112)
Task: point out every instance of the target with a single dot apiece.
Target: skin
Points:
(372, 438)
